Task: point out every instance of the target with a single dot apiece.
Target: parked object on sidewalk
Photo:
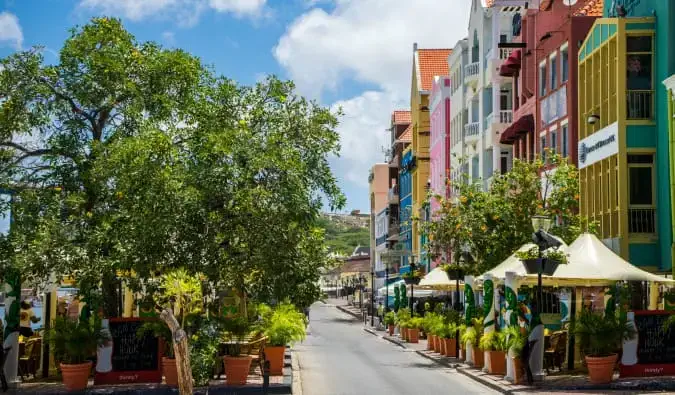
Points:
(237, 366)
(390, 321)
(450, 340)
(283, 326)
(160, 330)
(73, 342)
(414, 330)
(515, 342)
(494, 346)
(600, 338)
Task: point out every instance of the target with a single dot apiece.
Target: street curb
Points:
(487, 383)
(296, 382)
(438, 361)
(387, 338)
(344, 310)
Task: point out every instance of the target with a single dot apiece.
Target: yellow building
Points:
(427, 63)
(623, 155)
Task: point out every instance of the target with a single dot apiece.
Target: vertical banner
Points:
(511, 317)
(565, 296)
(469, 312)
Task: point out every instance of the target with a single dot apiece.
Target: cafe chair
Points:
(554, 355)
(257, 351)
(28, 363)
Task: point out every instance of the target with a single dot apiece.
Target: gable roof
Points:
(592, 8)
(430, 63)
(401, 117)
(406, 136)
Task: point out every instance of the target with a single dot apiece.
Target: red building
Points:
(544, 75)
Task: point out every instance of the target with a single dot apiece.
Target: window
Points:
(565, 130)
(543, 147)
(503, 38)
(554, 141)
(639, 77)
(554, 72)
(564, 63)
(641, 210)
(542, 79)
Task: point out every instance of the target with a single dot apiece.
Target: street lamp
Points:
(372, 298)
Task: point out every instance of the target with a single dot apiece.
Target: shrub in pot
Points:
(471, 338)
(160, 330)
(413, 277)
(462, 343)
(450, 340)
(515, 342)
(402, 320)
(600, 339)
(74, 343)
(494, 347)
(285, 326)
(390, 322)
(236, 365)
(414, 330)
(430, 324)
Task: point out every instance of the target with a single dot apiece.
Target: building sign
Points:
(652, 351)
(599, 146)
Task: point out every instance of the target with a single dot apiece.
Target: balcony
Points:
(471, 132)
(639, 105)
(394, 231)
(493, 62)
(642, 220)
(393, 163)
(393, 195)
(471, 72)
(501, 117)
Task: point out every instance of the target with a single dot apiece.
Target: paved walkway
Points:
(339, 357)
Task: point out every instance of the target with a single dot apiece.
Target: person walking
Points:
(27, 318)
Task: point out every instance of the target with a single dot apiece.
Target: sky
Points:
(350, 54)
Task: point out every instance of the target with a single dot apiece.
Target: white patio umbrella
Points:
(438, 280)
(418, 293)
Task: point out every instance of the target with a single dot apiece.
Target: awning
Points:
(522, 125)
(417, 292)
(437, 279)
(511, 64)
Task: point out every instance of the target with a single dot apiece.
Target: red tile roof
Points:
(592, 8)
(406, 136)
(400, 117)
(430, 63)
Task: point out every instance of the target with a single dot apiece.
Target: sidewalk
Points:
(554, 383)
(344, 306)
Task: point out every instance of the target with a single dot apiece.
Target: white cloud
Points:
(186, 12)
(367, 40)
(169, 38)
(10, 30)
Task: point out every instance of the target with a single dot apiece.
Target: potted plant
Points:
(550, 259)
(494, 347)
(471, 338)
(402, 318)
(74, 343)
(554, 257)
(390, 321)
(236, 365)
(160, 330)
(414, 330)
(413, 277)
(600, 338)
(450, 340)
(283, 327)
(454, 271)
(530, 259)
(515, 342)
(428, 323)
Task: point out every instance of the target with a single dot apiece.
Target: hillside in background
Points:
(343, 238)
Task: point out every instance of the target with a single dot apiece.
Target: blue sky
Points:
(349, 54)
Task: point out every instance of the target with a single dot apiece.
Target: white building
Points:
(381, 234)
(481, 99)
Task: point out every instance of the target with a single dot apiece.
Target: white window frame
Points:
(564, 124)
(564, 48)
(553, 79)
(550, 140)
(542, 76)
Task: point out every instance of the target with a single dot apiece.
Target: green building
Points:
(624, 162)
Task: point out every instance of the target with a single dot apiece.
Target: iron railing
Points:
(639, 104)
(642, 220)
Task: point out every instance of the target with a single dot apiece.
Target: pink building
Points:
(439, 149)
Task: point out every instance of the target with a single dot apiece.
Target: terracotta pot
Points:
(478, 357)
(497, 363)
(441, 349)
(430, 342)
(236, 369)
(169, 371)
(601, 369)
(275, 356)
(414, 335)
(404, 333)
(437, 344)
(390, 328)
(450, 348)
(518, 370)
(76, 377)
(462, 354)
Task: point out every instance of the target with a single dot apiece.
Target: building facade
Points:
(439, 151)
(623, 129)
(427, 63)
(405, 238)
(670, 99)
(378, 187)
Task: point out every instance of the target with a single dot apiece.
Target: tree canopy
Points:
(127, 159)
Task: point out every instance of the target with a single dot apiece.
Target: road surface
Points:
(340, 358)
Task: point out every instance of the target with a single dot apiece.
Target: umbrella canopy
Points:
(418, 293)
(437, 279)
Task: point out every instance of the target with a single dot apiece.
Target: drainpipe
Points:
(670, 98)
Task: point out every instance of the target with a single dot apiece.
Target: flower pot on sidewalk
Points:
(518, 370)
(391, 328)
(275, 356)
(450, 347)
(236, 369)
(413, 335)
(442, 347)
(497, 362)
(169, 371)
(601, 369)
(76, 376)
(430, 342)
(478, 357)
(437, 344)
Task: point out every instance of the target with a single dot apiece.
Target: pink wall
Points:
(439, 150)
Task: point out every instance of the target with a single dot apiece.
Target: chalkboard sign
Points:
(655, 346)
(134, 359)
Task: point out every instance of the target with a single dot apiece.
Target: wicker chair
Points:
(257, 351)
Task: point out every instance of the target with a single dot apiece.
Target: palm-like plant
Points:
(601, 335)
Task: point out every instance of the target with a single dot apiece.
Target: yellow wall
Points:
(420, 146)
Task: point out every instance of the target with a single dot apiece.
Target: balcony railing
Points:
(503, 116)
(471, 129)
(639, 104)
(641, 220)
(393, 194)
(394, 231)
(471, 70)
(504, 53)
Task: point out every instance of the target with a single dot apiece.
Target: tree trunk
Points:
(110, 294)
(181, 351)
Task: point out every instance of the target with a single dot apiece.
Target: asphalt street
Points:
(340, 358)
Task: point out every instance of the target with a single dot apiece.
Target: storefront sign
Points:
(652, 353)
(128, 358)
(599, 145)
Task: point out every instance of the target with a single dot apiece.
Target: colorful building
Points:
(427, 63)
(378, 182)
(544, 76)
(406, 205)
(623, 129)
(439, 151)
